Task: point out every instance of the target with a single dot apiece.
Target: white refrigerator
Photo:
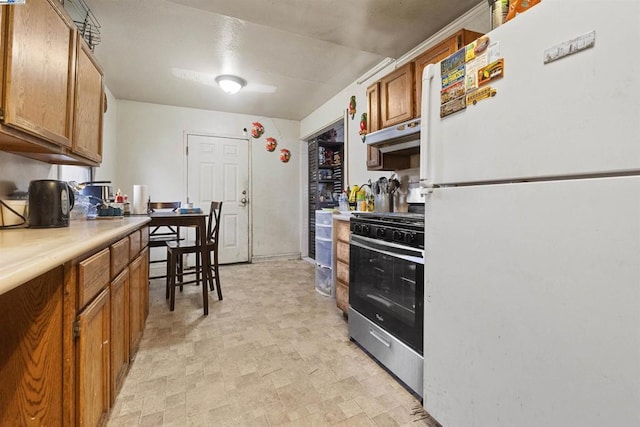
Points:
(532, 224)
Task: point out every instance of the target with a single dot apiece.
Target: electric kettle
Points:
(49, 203)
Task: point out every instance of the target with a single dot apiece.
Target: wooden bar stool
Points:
(203, 247)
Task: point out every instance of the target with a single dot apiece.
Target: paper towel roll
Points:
(140, 199)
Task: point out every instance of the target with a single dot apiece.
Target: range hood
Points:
(396, 138)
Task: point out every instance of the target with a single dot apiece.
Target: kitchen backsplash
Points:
(17, 171)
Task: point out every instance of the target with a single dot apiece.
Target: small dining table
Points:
(198, 220)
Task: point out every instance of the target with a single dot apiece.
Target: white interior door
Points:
(218, 169)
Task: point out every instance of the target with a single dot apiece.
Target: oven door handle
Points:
(381, 248)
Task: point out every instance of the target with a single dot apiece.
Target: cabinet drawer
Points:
(342, 297)
(342, 230)
(93, 275)
(342, 252)
(144, 237)
(134, 245)
(342, 272)
(119, 256)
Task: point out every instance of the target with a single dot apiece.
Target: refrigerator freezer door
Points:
(532, 304)
(578, 115)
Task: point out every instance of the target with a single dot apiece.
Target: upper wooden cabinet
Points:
(373, 107)
(373, 123)
(375, 159)
(52, 96)
(397, 96)
(437, 54)
(38, 97)
(89, 105)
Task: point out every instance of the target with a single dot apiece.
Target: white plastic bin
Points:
(323, 232)
(324, 281)
(324, 217)
(323, 252)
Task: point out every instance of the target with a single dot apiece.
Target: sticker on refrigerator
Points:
(490, 72)
(471, 71)
(453, 106)
(452, 63)
(570, 47)
(452, 74)
(493, 52)
(478, 95)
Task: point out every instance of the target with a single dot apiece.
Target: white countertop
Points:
(26, 253)
(343, 216)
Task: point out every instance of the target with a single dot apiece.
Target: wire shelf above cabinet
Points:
(86, 22)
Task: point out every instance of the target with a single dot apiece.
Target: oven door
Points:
(386, 285)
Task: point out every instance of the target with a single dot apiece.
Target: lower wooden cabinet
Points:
(93, 361)
(138, 299)
(119, 288)
(66, 339)
(32, 353)
(341, 266)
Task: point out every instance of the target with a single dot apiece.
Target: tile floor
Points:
(274, 352)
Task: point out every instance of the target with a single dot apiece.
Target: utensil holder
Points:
(381, 203)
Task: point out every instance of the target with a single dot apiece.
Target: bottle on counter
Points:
(126, 209)
(343, 204)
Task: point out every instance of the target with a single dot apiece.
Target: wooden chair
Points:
(159, 236)
(209, 268)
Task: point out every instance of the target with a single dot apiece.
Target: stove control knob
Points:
(398, 236)
(380, 232)
(412, 237)
(366, 229)
(357, 228)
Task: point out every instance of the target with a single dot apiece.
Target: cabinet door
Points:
(373, 123)
(39, 99)
(93, 362)
(138, 299)
(397, 96)
(119, 331)
(32, 353)
(373, 107)
(342, 297)
(437, 54)
(144, 272)
(89, 104)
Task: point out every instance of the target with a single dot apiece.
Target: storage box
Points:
(324, 282)
(323, 252)
(324, 217)
(323, 232)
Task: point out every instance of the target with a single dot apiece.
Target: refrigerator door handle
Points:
(426, 154)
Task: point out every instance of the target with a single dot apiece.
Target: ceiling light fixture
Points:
(230, 83)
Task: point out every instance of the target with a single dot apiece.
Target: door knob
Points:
(243, 201)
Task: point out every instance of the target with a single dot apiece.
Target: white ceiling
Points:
(169, 51)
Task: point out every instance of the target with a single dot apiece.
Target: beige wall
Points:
(150, 151)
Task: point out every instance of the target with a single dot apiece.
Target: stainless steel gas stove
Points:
(386, 288)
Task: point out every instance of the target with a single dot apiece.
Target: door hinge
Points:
(76, 329)
(187, 150)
